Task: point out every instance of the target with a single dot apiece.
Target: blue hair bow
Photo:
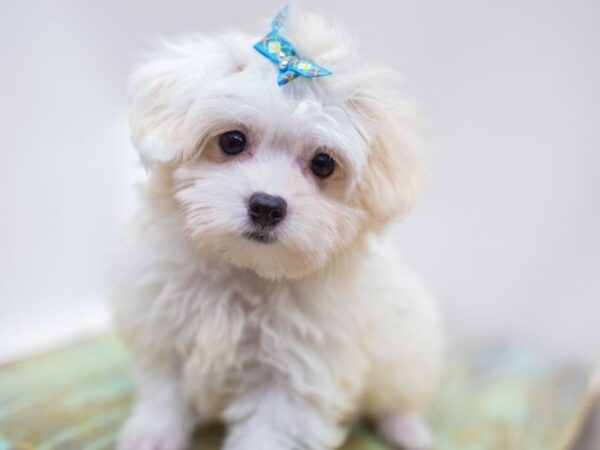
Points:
(280, 51)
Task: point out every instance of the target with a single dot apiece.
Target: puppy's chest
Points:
(234, 327)
(278, 327)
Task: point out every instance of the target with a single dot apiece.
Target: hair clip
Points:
(280, 51)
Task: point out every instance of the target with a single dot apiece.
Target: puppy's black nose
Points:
(266, 210)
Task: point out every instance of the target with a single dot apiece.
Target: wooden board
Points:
(499, 397)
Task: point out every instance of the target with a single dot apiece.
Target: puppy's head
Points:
(276, 179)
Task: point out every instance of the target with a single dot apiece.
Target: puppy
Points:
(260, 287)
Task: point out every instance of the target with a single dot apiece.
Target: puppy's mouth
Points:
(262, 237)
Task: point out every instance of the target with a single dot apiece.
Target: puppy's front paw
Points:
(406, 430)
(152, 433)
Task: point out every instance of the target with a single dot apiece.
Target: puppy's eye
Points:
(232, 142)
(322, 165)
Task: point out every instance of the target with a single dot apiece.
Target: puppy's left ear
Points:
(394, 175)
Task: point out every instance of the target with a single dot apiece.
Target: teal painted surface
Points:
(495, 398)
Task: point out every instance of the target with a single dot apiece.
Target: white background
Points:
(508, 232)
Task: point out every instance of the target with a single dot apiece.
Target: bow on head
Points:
(281, 52)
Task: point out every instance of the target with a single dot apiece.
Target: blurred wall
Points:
(508, 232)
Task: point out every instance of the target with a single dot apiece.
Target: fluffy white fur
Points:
(288, 342)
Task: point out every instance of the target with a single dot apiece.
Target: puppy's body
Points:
(294, 358)
(286, 341)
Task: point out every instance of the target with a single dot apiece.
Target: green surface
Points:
(498, 398)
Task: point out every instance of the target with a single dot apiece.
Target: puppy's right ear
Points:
(164, 90)
(158, 109)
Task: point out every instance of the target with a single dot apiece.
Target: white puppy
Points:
(259, 287)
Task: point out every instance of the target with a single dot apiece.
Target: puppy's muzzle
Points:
(266, 210)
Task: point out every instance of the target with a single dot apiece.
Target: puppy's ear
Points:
(167, 90)
(394, 174)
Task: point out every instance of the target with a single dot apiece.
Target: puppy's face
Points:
(276, 179)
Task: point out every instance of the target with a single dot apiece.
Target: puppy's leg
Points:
(161, 419)
(271, 417)
(405, 430)
(406, 356)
